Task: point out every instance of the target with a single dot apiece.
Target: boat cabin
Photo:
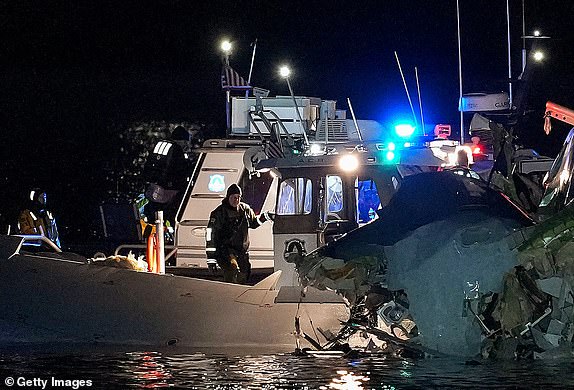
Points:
(320, 198)
(319, 172)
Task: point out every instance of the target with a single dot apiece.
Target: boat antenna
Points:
(285, 72)
(420, 101)
(459, 74)
(254, 44)
(406, 88)
(355, 120)
(523, 39)
(326, 128)
(509, 57)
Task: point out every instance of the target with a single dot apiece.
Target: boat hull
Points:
(51, 300)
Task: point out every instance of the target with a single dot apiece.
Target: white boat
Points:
(54, 298)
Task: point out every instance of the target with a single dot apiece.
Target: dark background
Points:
(76, 76)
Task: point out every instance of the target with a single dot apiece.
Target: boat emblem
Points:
(216, 183)
(294, 246)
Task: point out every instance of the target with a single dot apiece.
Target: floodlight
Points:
(348, 163)
(226, 46)
(284, 71)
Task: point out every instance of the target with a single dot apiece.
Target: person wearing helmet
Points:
(227, 235)
(38, 220)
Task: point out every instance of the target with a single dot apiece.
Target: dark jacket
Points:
(228, 229)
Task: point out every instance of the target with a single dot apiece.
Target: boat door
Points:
(317, 205)
(314, 205)
(216, 170)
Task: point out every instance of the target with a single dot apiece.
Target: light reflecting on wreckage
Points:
(452, 267)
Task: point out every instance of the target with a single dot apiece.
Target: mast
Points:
(459, 74)
(509, 65)
(523, 38)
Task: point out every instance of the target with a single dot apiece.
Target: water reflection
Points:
(406, 370)
(153, 369)
(347, 380)
(148, 369)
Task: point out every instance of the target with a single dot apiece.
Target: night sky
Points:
(76, 74)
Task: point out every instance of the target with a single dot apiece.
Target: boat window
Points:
(295, 197)
(368, 201)
(334, 194)
(255, 189)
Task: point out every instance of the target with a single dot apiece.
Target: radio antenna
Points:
(355, 120)
(420, 101)
(406, 88)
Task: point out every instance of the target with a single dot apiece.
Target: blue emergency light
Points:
(404, 130)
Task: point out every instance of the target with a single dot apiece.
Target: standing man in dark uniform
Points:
(227, 235)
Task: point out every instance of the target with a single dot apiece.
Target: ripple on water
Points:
(154, 369)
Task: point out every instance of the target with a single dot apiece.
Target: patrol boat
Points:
(300, 166)
(54, 297)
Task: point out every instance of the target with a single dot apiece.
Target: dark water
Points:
(105, 370)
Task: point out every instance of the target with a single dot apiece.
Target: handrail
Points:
(39, 237)
(144, 246)
(267, 123)
(257, 127)
(280, 122)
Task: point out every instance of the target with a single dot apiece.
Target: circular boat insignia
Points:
(294, 246)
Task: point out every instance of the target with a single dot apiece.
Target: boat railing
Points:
(268, 125)
(35, 239)
(172, 249)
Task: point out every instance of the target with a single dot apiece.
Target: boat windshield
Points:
(295, 196)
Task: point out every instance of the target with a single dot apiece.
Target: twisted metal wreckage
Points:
(453, 267)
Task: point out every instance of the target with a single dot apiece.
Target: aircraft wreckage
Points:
(454, 267)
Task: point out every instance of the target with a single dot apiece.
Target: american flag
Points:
(231, 80)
